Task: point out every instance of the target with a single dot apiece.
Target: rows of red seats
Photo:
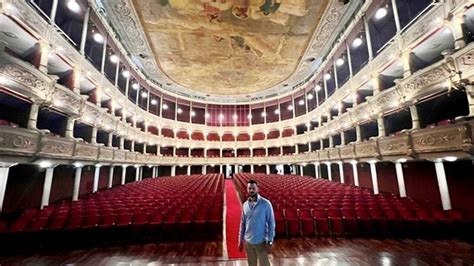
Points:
(308, 206)
(168, 205)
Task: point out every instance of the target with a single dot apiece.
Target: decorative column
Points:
(414, 117)
(153, 172)
(203, 171)
(142, 168)
(122, 143)
(355, 173)
(316, 170)
(124, 174)
(367, 37)
(329, 171)
(373, 173)
(84, 30)
(406, 63)
(236, 169)
(96, 178)
(456, 29)
(4, 170)
(77, 183)
(189, 170)
(104, 56)
(343, 138)
(358, 133)
(48, 181)
(33, 115)
(400, 179)
(173, 170)
(341, 172)
(395, 15)
(442, 185)
(111, 176)
(301, 170)
(470, 99)
(381, 126)
(110, 139)
(94, 135)
(137, 173)
(54, 8)
(267, 169)
(70, 128)
(44, 56)
(251, 169)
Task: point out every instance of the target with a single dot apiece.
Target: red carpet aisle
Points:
(232, 221)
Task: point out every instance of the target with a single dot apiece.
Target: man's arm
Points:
(242, 225)
(270, 222)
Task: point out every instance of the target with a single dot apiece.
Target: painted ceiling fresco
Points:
(229, 47)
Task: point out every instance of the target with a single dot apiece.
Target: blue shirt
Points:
(258, 222)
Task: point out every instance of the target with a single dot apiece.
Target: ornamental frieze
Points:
(345, 121)
(323, 155)
(347, 152)
(361, 113)
(388, 54)
(56, 146)
(385, 101)
(361, 77)
(465, 62)
(442, 138)
(334, 154)
(119, 155)
(106, 153)
(90, 113)
(366, 149)
(17, 140)
(65, 98)
(28, 15)
(25, 77)
(130, 157)
(84, 150)
(411, 87)
(394, 145)
(141, 158)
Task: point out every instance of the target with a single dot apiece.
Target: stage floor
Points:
(297, 251)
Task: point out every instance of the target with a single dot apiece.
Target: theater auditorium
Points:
(129, 130)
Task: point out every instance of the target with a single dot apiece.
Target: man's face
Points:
(252, 189)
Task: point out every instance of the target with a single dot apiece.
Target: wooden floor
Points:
(302, 251)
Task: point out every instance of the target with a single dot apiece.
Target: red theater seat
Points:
(292, 222)
(322, 222)
(350, 222)
(307, 222)
(280, 227)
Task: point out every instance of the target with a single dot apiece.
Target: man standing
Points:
(257, 226)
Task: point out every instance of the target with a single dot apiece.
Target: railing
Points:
(424, 143)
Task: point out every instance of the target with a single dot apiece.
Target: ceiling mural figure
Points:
(239, 46)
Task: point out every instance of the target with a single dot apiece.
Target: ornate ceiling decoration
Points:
(234, 51)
